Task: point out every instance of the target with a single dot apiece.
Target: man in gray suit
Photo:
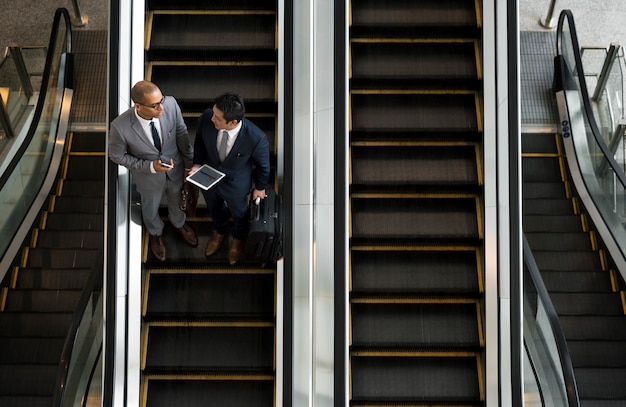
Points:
(151, 140)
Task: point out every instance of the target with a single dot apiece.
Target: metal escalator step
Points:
(197, 295)
(82, 188)
(197, 392)
(559, 241)
(212, 31)
(61, 258)
(84, 239)
(210, 348)
(34, 324)
(532, 190)
(414, 112)
(557, 206)
(75, 221)
(30, 401)
(52, 278)
(414, 271)
(191, 82)
(28, 380)
(567, 260)
(30, 350)
(601, 383)
(399, 380)
(403, 218)
(86, 167)
(537, 169)
(88, 142)
(608, 353)
(552, 223)
(231, 5)
(582, 303)
(73, 205)
(400, 165)
(576, 281)
(544, 143)
(594, 327)
(418, 325)
(44, 301)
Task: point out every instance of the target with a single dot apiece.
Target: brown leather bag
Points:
(188, 199)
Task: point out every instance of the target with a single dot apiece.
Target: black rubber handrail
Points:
(94, 283)
(590, 119)
(61, 13)
(565, 359)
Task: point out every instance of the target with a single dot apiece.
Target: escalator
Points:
(416, 204)
(580, 276)
(43, 288)
(209, 329)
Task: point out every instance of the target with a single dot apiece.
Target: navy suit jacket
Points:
(246, 164)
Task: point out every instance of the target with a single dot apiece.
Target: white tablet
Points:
(206, 177)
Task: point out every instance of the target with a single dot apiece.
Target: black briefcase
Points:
(264, 243)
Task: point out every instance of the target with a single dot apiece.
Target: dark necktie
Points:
(155, 136)
(222, 150)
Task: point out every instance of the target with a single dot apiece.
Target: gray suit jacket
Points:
(129, 146)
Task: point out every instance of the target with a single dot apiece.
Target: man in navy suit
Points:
(234, 145)
(151, 140)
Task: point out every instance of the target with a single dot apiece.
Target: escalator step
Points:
(230, 5)
(75, 222)
(608, 353)
(414, 112)
(30, 350)
(414, 272)
(55, 239)
(549, 223)
(52, 278)
(197, 393)
(559, 241)
(198, 295)
(401, 380)
(192, 83)
(93, 142)
(82, 188)
(30, 401)
(213, 31)
(582, 303)
(398, 165)
(89, 167)
(601, 384)
(28, 380)
(415, 325)
(61, 258)
(73, 205)
(533, 190)
(34, 324)
(538, 169)
(201, 349)
(401, 218)
(43, 301)
(567, 260)
(547, 207)
(539, 143)
(576, 281)
(594, 327)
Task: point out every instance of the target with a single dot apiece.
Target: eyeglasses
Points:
(155, 105)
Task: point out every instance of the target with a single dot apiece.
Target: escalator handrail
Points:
(93, 283)
(608, 156)
(571, 389)
(61, 13)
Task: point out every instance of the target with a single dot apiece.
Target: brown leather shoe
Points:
(188, 235)
(235, 251)
(214, 243)
(157, 246)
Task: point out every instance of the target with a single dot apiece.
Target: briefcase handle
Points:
(255, 210)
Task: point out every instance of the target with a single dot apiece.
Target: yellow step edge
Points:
(426, 300)
(412, 92)
(414, 143)
(4, 291)
(390, 40)
(225, 270)
(210, 324)
(214, 377)
(417, 248)
(416, 353)
(540, 155)
(211, 63)
(213, 12)
(417, 195)
(86, 154)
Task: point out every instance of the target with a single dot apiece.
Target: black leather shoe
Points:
(157, 246)
(214, 243)
(235, 251)
(188, 235)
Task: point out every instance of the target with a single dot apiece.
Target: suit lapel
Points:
(136, 126)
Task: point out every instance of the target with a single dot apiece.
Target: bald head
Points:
(141, 89)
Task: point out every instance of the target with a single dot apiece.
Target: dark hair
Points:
(231, 105)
